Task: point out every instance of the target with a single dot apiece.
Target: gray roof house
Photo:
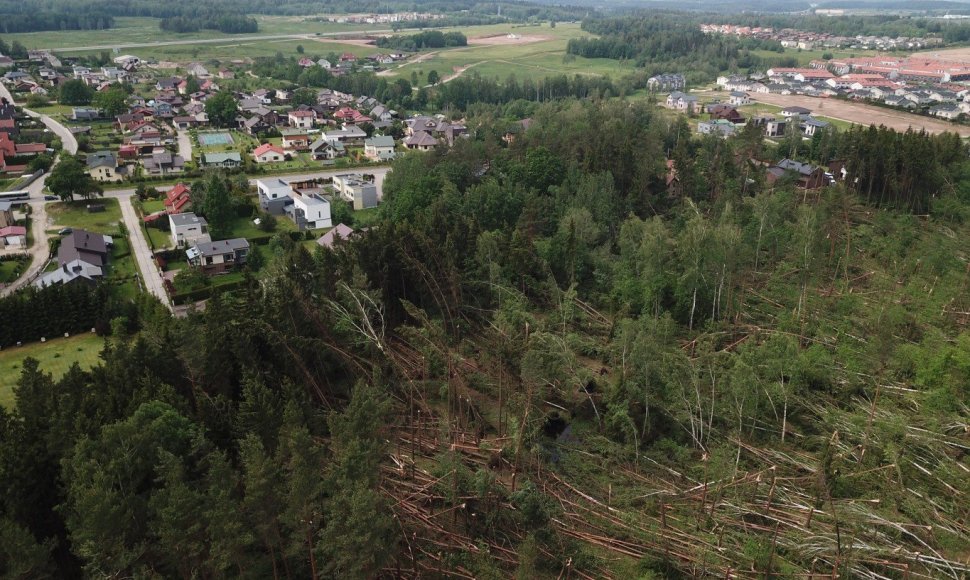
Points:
(82, 256)
(219, 256)
(187, 229)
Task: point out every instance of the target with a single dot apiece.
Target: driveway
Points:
(150, 273)
(185, 145)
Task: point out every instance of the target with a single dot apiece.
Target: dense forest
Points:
(665, 42)
(553, 356)
(223, 22)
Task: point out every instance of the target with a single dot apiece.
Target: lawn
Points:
(74, 214)
(158, 238)
(10, 270)
(151, 206)
(55, 357)
(243, 227)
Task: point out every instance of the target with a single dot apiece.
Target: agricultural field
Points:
(55, 357)
(129, 30)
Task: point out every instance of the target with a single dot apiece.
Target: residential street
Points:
(67, 138)
(38, 250)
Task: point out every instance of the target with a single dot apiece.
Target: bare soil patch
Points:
(339, 40)
(961, 54)
(862, 113)
(506, 39)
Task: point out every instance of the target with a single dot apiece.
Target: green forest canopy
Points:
(541, 357)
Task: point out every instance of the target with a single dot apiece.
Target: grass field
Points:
(10, 270)
(74, 214)
(130, 30)
(55, 357)
(541, 58)
(806, 56)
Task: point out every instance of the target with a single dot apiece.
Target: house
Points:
(81, 256)
(13, 236)
(322, 149)
(219, 256)
(773, 127)
(795, 112)
(255, 125)
(354, 188)
(739, 98)
(810, 125)
(187, 229)
(340, 232)
(947, 111)
(666, 82)
(806, 176)
(184, 122)
(421, 141)
(379, 148)
(295, 140)
(725, 112)
(197, 70)
(230, 160)
(325, 64)
(6, 61)
(349, 135)
(301, 119)
(382, 113)
(269, 153)
(274, 195)
(163, 163)
(85, 114)
(167, 84)
(226, 74)
(682, 102)
(178, 198)
(103, 166)
(309, 211)
(721, 127)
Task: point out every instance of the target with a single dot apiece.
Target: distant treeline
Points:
(666, 42)
(422, 40)
(227, 23)
(11, 22)
(18, 16)
(34, 314)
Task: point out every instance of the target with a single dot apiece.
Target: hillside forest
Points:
(555, 354)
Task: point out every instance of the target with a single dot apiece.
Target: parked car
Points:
(66, 231)
(50, 198)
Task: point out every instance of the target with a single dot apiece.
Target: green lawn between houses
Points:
(55, 356)
(74, 214)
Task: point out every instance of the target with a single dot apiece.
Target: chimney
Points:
(65, 268)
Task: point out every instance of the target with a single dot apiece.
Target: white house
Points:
(310, 211)
(188, 229)
(739, 98)
(269, 153)
(301, 119)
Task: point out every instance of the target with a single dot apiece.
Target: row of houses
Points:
(946, 100)
(808, 40)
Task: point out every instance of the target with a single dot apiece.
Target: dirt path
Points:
(862, 113)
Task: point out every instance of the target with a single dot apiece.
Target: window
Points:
(208, 260)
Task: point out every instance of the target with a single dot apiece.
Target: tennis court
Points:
(212, 139)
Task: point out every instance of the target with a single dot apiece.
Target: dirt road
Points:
(862, 113)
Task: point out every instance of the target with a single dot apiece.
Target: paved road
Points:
(38, 251)
(142, 253)
(67, 138)
(223, 40)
